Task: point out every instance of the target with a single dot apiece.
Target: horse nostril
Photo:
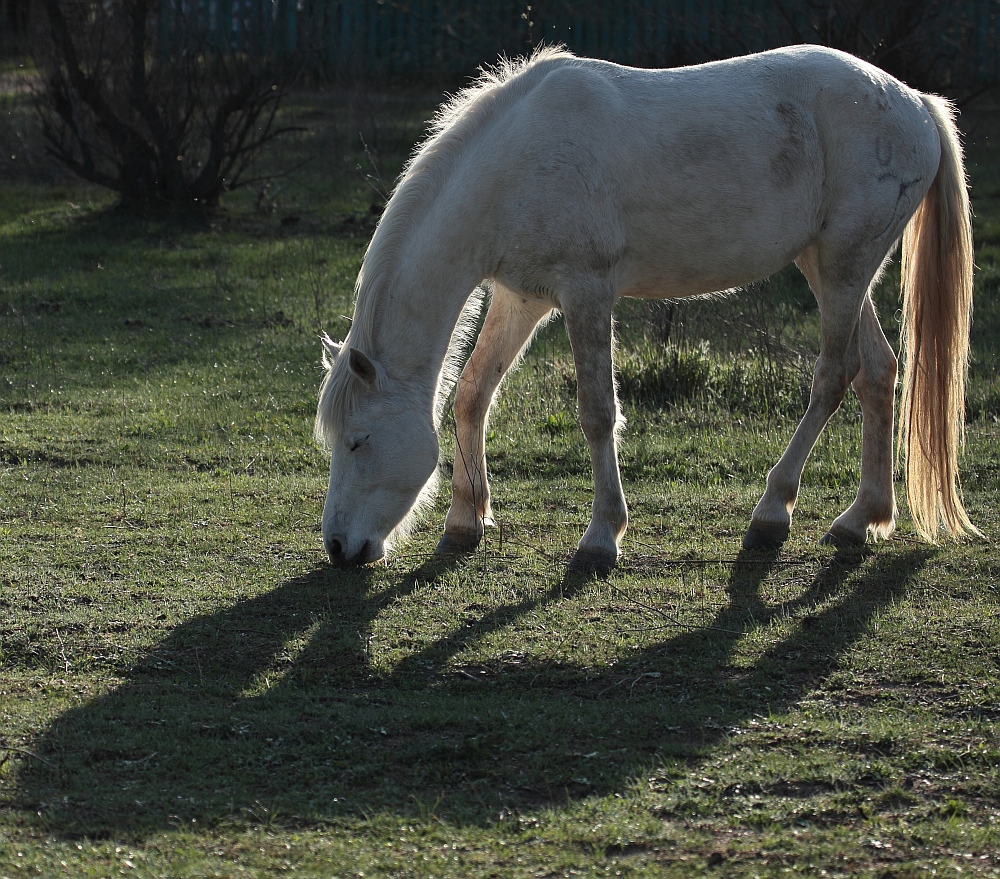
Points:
(335, 551)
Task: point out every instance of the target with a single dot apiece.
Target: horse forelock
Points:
(338, 397)
(340, 391)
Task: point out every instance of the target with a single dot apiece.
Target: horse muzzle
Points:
(342, 556)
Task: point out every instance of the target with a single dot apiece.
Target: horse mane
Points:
(456, 123)
(453, 126)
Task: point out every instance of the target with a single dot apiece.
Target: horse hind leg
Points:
(874, 508)
(510, 322)
(772, 517)
(840, 294)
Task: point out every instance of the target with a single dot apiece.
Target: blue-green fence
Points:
(955, 41)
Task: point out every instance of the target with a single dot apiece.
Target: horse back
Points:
(685, 181)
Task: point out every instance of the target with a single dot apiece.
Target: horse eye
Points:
(357, 443)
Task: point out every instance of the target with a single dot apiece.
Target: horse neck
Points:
(411, 309)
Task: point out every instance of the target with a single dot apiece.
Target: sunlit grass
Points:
(188, 689)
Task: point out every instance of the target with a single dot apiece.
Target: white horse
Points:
(566, 183)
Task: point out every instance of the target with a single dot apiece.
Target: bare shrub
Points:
(655, 376)
(159, 114)
(20, 158)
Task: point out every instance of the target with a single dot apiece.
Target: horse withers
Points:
(564, 183)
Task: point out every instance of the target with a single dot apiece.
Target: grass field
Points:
(188, 689)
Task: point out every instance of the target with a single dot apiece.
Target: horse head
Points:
(383, 455)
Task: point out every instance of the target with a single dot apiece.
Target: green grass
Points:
(187, 689)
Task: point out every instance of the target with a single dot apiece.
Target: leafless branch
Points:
(171, 117)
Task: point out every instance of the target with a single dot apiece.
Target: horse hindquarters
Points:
(863, 221)
(937, 306)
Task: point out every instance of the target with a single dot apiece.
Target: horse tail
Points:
(937, 313)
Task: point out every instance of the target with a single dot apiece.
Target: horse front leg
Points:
(510, 322)
(591, 336)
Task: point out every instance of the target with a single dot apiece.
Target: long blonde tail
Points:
(937, 313)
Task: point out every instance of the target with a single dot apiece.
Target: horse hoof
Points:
(589, 562)
(765, 535)
(457, 544)
(841, 538)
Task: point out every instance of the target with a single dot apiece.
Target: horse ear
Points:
(330, 350)
(362, 367)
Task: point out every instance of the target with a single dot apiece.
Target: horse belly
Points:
(721, 244)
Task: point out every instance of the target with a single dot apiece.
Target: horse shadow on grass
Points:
(271, 710)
